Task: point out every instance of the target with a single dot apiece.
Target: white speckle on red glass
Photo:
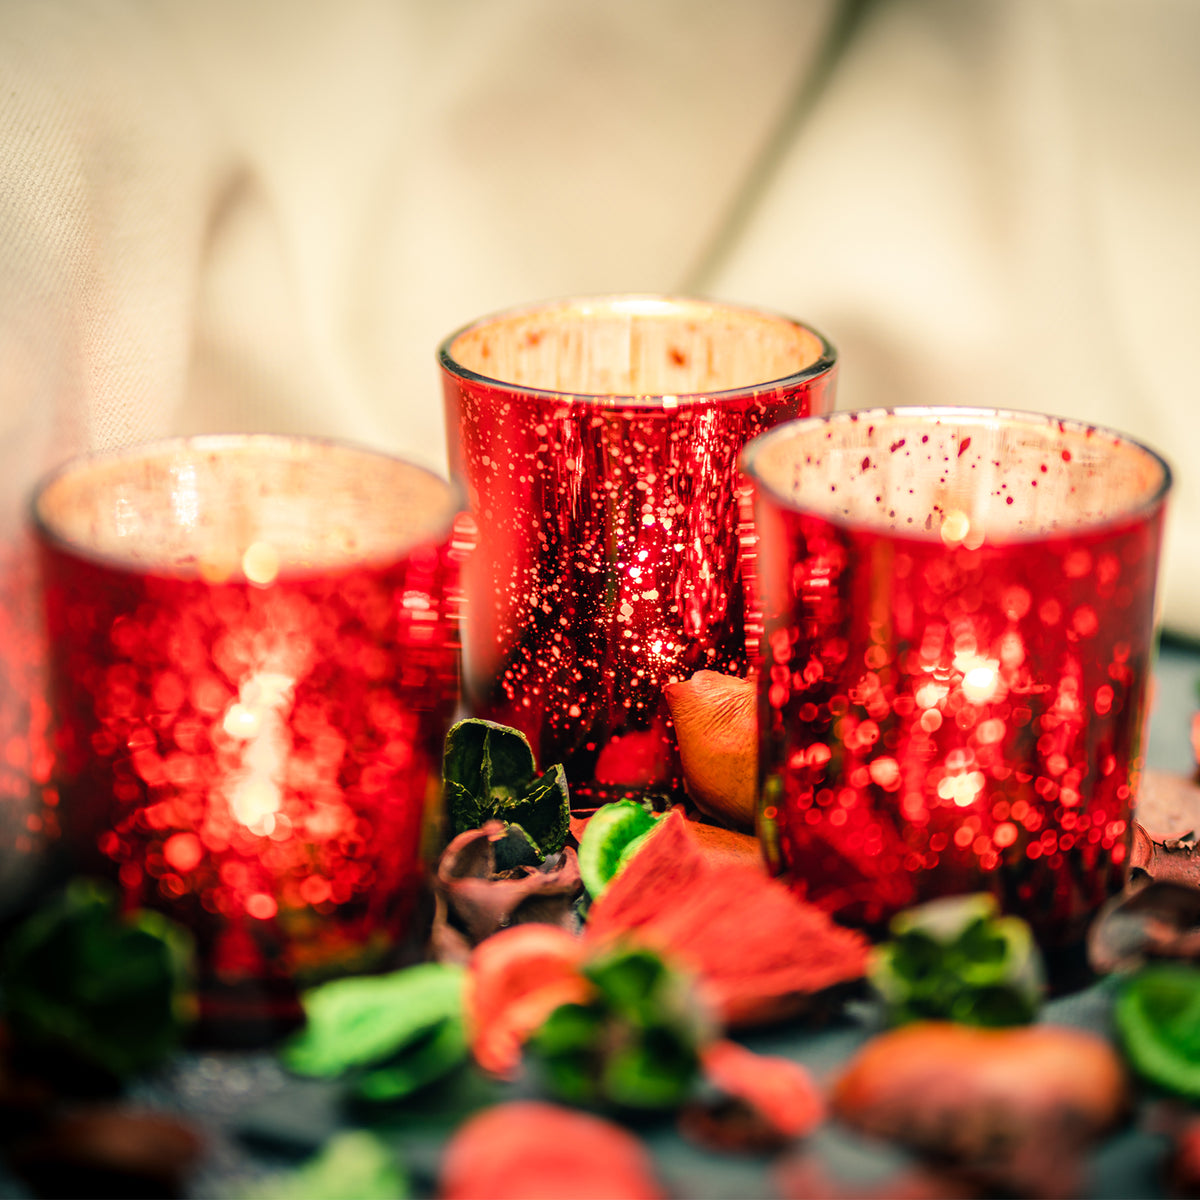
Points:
(956, 648)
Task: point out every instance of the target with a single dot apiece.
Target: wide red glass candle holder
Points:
(255, 656)
(959, 618)
(598, 441)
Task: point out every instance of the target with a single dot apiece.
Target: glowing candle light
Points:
(981, 686)
(255, 645)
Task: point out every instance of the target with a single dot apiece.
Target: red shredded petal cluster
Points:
(760, 951)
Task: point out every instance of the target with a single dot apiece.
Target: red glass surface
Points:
(252, 723)
(598, 441)
(959, 622)
(28, 795)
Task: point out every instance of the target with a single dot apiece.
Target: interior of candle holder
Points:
(636, 346)
(256, 505)
(962, 475)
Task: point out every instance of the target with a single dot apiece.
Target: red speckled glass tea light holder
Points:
(959, 621)
(255, 652)
(598, 440)
(28, 792)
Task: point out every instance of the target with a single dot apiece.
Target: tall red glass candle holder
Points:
(959, 621)
(255, 655)
(598, 440)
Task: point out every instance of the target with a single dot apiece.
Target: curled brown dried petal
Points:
(476, 900)
(1160, 919)
(1166, 830)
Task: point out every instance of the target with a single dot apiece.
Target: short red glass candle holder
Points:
(255, 653)
(959, 621)
(598, 441)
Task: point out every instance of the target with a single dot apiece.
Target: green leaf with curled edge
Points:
(490, 773)
(957, 959)
(85, 981)
(1157, 1016)
(389, 1034)
(353, 1163)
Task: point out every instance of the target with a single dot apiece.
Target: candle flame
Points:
(259, 717)
(260, 563)
(955, 526)
(980, 682)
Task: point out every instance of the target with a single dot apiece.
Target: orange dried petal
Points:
(717, 732)
(781, 1091)
(515, 979)
(529, 1150)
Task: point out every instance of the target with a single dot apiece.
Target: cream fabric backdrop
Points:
(258, 214)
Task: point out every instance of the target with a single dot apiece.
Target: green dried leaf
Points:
(634, 1046)
(370, 1021)
(515, 849)
(612, 829)
(492, 762)
(424, 1061)
(956, 959)
(462, 808)
(354, 1165)
(83, 980)
(656, 1071)
(489, 774)
(543, 810)
(1157, 1015)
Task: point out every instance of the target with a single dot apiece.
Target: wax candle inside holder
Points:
(598, 441)
(255, 655)
(959, 620)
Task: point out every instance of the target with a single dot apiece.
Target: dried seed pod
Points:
(1160, 919)
(1014, 1107)
(483, 885)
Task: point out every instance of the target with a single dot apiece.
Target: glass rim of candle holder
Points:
(440, 501)
(815, 355)
(827, 505)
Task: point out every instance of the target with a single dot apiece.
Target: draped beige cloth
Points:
(265, 214)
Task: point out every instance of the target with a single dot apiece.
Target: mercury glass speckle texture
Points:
(598, 441)
(255, 651)
(28, 793)
(959, 621)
